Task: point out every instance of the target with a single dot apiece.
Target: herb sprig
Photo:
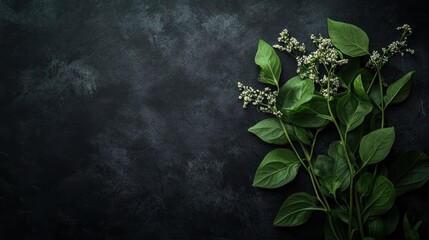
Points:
(355, 183)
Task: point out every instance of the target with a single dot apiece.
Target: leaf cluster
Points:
(355, 181)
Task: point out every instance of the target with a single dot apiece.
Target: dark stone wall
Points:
(120, 119)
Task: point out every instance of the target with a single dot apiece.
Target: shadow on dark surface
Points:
(120, 119)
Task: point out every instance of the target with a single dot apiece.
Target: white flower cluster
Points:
(264, 100)
(327, 55)
(377, 61)
(291, 45)
(334, 85)
(308, 65)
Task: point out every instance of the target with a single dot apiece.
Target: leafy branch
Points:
(351, 183)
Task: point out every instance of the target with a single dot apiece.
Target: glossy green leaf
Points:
(351, 112)
(409, 172)
(364, 184)
(338, 231)
(269, 62)
(298, 92)
(270, 131)
(377, 228)
(354, 137)
(348, 38)
(323, 166)
(391, 219)
(296, 210)
(374, 95)
(312, 114)
(278, 168)
(340, 173)
(381, 199)
(358, 87)
(366, 77)
(302, 134)
(411, 232)
(398, 91)
(376, 145)
(341, 214)
(333, 169)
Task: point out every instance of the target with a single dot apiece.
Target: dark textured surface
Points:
(120, 119)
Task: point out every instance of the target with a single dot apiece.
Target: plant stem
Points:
(305, 151)
(333, 228)
(314, 142)
(308, 169)
(343, 143)
(311, 171)
(318, 186)
(362, 233)
(372, 82)
(351, 207)
(290, 142)
(381, 97)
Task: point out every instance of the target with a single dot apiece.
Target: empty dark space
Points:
(121, 119)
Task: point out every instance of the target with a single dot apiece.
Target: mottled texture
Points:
(120, 119)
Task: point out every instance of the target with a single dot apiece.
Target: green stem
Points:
(290, 142)
(309, 170)
(362, 233)
(314, 142)
(381, 98)
(351, 207)
(372, 82)
(333, 228)
(319, 187)
(305, 151)
(343, 143)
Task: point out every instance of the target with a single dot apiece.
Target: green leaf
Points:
(411, 232)
(366, 76)
(278, 168)
(374, 95)
(376, 228)
(351, 112)
(303, 135)
(409, 172)
(323, 166)
(354, 137)
(296, 210)
(341, 214)
(364, 184)
(340, 173)
(348, 38)
(312, 114)
(269, 62)
(270, 131)
(333, 169)
(298, 92)
(358, 87)
(337, 225)
(376, 145)
(391, 219)
(398, 91)
(381, 199)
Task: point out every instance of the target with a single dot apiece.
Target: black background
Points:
(120, 119)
